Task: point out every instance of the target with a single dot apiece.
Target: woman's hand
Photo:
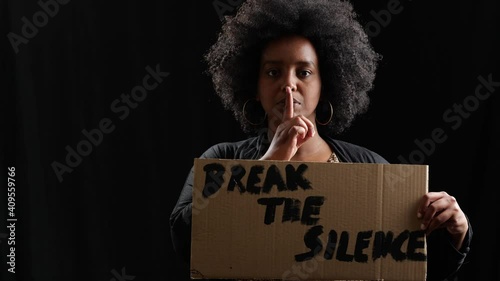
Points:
(291, 133)
(441, 210)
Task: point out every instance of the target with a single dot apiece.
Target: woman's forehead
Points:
(294, 48)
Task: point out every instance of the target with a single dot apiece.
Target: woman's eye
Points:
(272, 72)
(304, 73)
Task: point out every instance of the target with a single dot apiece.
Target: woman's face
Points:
(289, 62)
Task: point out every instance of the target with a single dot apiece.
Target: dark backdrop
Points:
(68, 67)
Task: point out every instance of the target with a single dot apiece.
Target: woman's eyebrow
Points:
(275, 62)
(306, 63)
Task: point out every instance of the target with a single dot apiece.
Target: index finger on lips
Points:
(288, 112)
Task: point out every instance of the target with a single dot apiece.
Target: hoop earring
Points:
(246, 117)
(329, 119)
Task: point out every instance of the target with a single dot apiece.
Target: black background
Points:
(111, 212)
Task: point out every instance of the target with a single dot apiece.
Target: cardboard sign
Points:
(307, 221)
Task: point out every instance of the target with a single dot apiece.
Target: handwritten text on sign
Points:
(404, 245)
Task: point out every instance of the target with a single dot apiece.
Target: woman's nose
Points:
(289, 81)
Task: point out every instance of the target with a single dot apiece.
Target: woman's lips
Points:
(283, 102)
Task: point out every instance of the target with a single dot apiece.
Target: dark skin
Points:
(289, 89)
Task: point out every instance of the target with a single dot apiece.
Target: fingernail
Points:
(422, 226)
(419, 215)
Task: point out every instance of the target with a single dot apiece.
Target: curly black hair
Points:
(346, 58)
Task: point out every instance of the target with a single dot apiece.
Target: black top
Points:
(443, 260)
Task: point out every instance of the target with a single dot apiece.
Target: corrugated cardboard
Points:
(307, 221)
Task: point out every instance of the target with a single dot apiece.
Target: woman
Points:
(295, 74)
